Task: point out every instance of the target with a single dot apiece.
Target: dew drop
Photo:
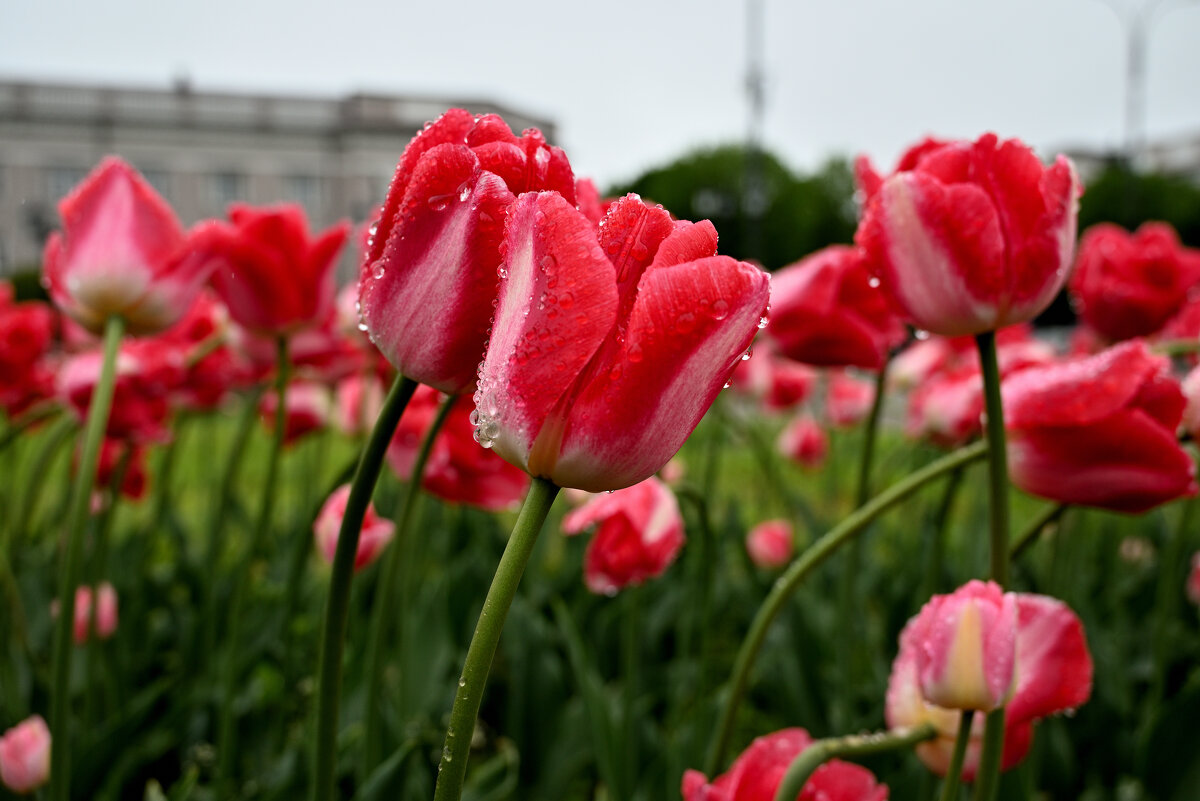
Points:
(873, 282)
(720, 309)
(438, 202)
(566, 299)
(762, 322)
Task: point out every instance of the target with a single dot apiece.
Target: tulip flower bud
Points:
(804, 442)
(376, 531)
(106, 612)
(967, 643)
(770, 544)
(25, 756)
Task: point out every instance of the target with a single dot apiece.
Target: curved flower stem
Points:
(384, 605)
(854, 745)
(1030, 534)
(993, 736)
(337, 606)
(227, 731)
(814, 556)
(452, 770)
(847, 616)
(936, 542)
(954, 773)
(68, 580)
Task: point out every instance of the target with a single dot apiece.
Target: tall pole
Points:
(754, 194)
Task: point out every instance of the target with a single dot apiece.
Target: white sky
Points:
(633, 83)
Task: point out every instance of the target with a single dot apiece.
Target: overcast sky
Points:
(633, 83)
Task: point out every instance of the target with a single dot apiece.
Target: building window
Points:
(227, 187)
(61, 180)
(305, 190)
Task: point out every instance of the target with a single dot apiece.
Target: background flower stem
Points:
(384, 605)
(101, 403)
(333, 631)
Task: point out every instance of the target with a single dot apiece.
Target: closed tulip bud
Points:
(428, 281)
(376, 531)
(639, 533)
(1099, 431)
(25, 756)
(969, 237)
(609, 343)
(105, 609)
(770, 544)
(759, 770)
(804, 442)
(967, 647)
(848, 399)
(1052, 670)
(122, 253)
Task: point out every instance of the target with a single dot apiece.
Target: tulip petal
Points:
(944, 251)
(1080, 392)
(689, 325)
(1054, 667)
(557, 304)
(452, 214)
(1127, 463)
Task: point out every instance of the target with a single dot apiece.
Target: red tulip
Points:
(1099, 431)
(135, 481)
(609, 345)
(804, 442)
(827, 310)
(1190, 386)
(1053, 672)
(26, 338)
(1129, 285)
(274, 277)
(376, 531)
(639, 533)
(972, 236)
(770, 544)
(778, 381)
(757, 773)
(122, 253)
(358, 400)
(459, 469)
(429, 280)
(309, 408)
(25, 756)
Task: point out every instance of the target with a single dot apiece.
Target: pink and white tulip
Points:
(770, 544)
(25, 756)
(376, 532)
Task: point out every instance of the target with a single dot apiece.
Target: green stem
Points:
(384, 606)
(954, 774)
(849, 618)
(993, 737)
(452, 769)
(936, 543)
(630, 659)
(97, 421)
(855, 745)
(1172, 575)
(227, 730)
(814, 556)
(1029, 536)
(333, 632)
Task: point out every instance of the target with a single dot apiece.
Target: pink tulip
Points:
(970, 237)
(376, 531)
(777, 381)
(639, 533)
(358, 400)
(1053, 673)
(1190, 386)
(25, 756)
(148, 372)
(309, 408)
(804, 442)
(106, 612)
(966, 647)
(1099, 431)
(429, 282)
(826, 311)
(609, 344)
(757, 773)
(770, 544)
(1128, 285)
(26, 340)
(273, 275)
(122, 253)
